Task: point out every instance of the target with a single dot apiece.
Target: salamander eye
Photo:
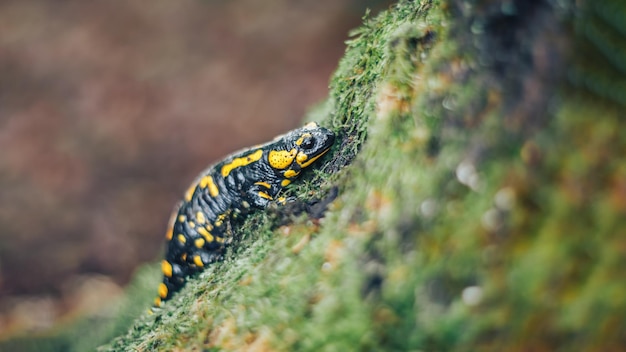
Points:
(307, 143)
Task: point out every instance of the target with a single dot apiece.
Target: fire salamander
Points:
(201, 225)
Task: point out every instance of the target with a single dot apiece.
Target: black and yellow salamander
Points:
(201, 225)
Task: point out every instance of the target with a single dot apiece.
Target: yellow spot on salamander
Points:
(166, 268)
(198, 261)
(206, 234)
(285, 182)
(200, 217)
(182, 218)
(264, 184)
(220, 220)
(282, 200)
(291, 173)
(301, 158)
(162, 290)
(310, 161)
(192, 224)
(243, 161)
(207, 181)
(301, 139)
(181, 238)
(265, 195)
(219, 239)
(157, 303)
(281, 159)
(199, 242)
(245, 204)
(190, 192)
(184, 257)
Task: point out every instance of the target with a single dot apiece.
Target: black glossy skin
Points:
(203, 223)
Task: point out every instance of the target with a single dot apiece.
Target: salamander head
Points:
(296, 150)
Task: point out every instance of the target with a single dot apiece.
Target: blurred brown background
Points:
(108, 109)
